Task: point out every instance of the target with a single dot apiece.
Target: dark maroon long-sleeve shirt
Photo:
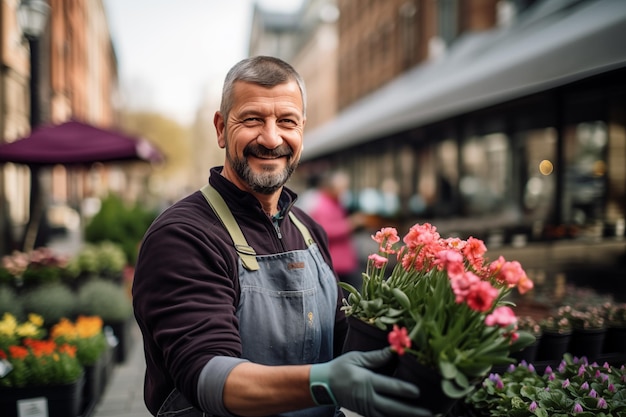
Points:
(186, 290)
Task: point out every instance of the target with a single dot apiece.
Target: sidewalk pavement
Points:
(123, 396)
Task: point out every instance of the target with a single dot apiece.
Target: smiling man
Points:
(234, 290)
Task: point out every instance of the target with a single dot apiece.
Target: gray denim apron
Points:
(286, 310)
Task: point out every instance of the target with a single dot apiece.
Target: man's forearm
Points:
(257, 390)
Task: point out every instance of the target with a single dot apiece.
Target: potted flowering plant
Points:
(574, 387)
(87, 336)
(444, 307)
(588, 330)
(556, 335)
(33, 369)
(39, 266)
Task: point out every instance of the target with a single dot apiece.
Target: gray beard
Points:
(265, 182)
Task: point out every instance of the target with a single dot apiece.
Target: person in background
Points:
(238, 306)
(327, 209)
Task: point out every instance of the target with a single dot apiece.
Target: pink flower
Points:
(474, 251)
(399, 339)
(481, 296)
(502, 316)
(421, 234)
(386, 238)
(379, 261)
(452, 261)
(462, 284)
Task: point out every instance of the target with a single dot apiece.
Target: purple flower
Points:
(531, 367)
(548, 370)
(533, 406)
(499, 385)
(602, 403)
(593, 393)
(611, 388)
(584, 386)
(565, 383)
(562, 366)
(511, 368)
(577, 409)
(581, 370)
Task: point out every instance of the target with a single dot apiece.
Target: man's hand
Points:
(350, 382)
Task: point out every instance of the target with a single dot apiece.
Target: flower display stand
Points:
(50, 401)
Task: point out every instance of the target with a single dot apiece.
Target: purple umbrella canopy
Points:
(73, 143)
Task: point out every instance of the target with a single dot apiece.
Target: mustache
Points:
(261, 151)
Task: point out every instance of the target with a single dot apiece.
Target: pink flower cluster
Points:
(472, 279)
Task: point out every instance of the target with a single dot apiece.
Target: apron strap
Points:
(303, 229)
(217, 203)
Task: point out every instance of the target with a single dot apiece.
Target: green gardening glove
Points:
(348, 381)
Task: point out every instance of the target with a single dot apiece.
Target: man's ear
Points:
(220, 126)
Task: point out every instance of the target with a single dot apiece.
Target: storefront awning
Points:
(556, 43)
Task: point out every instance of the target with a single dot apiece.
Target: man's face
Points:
(262, 136)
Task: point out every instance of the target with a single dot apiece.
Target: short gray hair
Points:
(265, 71)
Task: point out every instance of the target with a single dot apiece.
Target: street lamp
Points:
(32, 16)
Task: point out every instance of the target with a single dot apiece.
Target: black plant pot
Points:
(365, 337)
(587, 342)
(552, 346)
(122, 330)
(59, 400)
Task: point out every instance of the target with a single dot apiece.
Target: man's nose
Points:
(270, 135)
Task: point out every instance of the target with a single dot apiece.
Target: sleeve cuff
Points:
(211, 384)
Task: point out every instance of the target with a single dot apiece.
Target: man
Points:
(234, 294)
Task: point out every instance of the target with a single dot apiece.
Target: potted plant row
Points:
(574, 387)
(37, 376)
(89, 283)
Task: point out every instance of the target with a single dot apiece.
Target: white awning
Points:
(558, 42)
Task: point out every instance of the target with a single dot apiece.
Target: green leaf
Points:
(453, 391)
(448, 369)
(525, 339)
(402, 298)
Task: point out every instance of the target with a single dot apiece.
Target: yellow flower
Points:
(27, 329)
(8, 325)
(36, 319)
